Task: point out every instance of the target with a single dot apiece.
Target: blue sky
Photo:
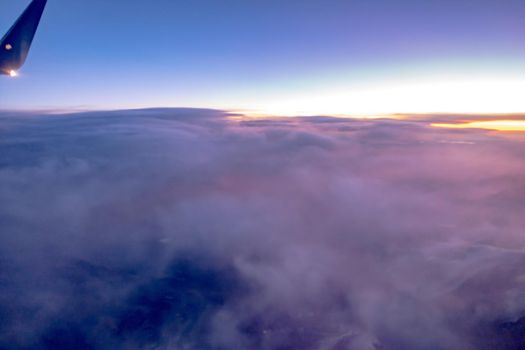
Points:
(249, 54)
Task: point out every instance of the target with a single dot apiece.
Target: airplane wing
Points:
(15, 45)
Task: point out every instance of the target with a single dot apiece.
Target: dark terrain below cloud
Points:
(186, 229)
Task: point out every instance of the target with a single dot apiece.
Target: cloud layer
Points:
(187, 229)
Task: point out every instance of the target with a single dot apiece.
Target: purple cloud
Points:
(183, 229)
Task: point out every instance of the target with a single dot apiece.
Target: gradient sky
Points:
(298, 56)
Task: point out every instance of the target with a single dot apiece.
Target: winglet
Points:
(15, 45)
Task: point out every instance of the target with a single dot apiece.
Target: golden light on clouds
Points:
(499, 125)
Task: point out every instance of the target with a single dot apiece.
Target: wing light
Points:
(15, 45)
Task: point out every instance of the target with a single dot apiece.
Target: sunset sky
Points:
(278, 57)
(263, 174)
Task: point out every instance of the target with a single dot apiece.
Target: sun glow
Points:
(13, 73)
(499, 125)
(443, 95)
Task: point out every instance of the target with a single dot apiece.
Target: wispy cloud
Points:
(179, 229)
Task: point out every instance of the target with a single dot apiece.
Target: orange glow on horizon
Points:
(245, 115)
(499, 125)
